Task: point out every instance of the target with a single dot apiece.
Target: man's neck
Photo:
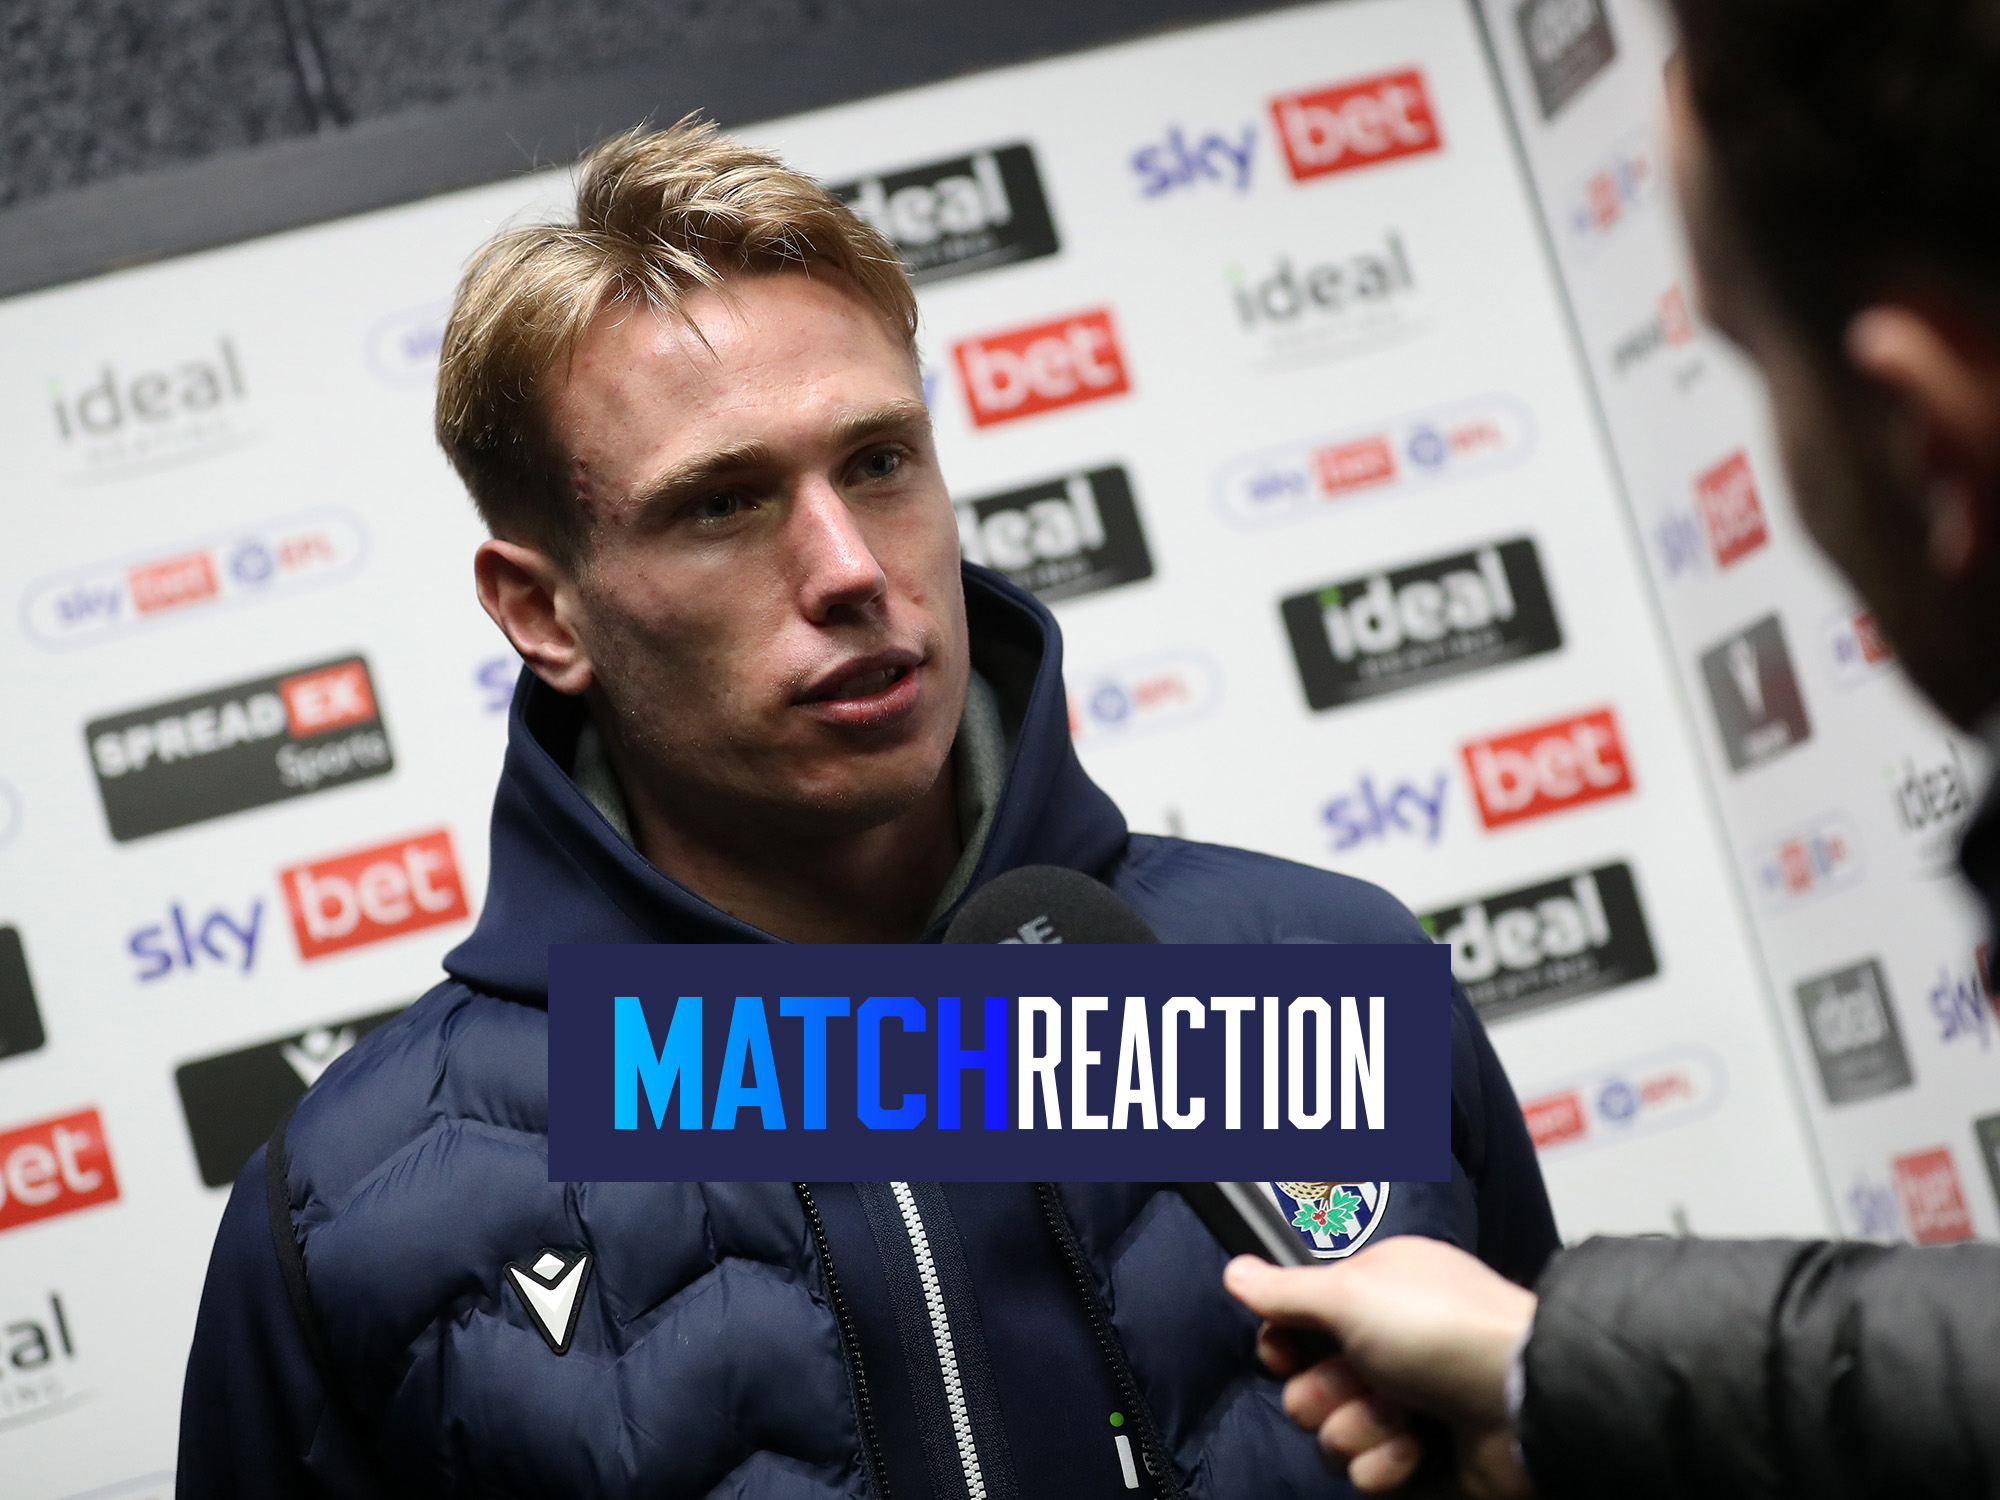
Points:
(876, 886)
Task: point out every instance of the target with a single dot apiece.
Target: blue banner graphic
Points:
(999, 1063)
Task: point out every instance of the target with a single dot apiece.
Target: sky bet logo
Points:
(1534, 772)
(1042, 368)
(1359, 124)
(1368, 637)
(372, 894)
(238, 747)
(734, 1063)
(1563, 939)
(1077, 534)
(1613, 192)
(968, 213)
(1822, 857)
(54, 1167)
(91, 603)
(1933, 1203)
(121, 423)
(1185, 160)
(1301, 479)
(1629, 1099)
(1325, 308)
(1379, 810)
(191, 939)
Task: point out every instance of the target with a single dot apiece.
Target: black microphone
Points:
(1047, 904)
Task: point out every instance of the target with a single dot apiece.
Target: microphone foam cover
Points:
(1047, 904)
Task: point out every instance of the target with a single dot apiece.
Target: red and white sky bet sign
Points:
(1730, 511)
(373, 894)
(1556, 1119)
(187, 579)
(1542, 770)
(54, 1167)
(1033, 370)
(1356, 124)
(316, 702)
(1927, 1183)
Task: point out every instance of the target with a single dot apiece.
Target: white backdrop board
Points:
(1246, 348)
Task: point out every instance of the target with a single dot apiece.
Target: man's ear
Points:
(534, 603)
(1946, 383)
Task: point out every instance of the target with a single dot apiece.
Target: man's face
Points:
(1854, 463)
(770, 599)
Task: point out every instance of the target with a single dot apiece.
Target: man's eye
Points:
(717, 507)
(881, 465)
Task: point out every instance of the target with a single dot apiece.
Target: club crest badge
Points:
(1334, 1219)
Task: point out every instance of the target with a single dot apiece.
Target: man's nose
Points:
(836, 568)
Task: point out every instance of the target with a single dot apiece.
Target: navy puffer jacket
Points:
(361, 1333)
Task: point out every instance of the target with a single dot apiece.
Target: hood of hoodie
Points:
(560, 873)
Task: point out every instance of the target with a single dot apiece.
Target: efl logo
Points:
(1353, 125)
(1855, 1039)
(1755, 693)
(967, 213)
(1075, 534)
(1824, 856)
(120, 424)
(1569, 42)
(1433, 620)
(1533, 772)
(1731, 514)
(1301, 479)
(1162, 690)
(1615, 190)
(54, 1167)
(20, 1019)
(1044, 368)
(373, 894)
(1634, 1098)
(233, 1102)
(1927, 1182)
(238, 747)
(91, 603)
(1561, 939)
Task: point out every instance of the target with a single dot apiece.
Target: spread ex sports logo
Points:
(371, 894)
(54, 1167)
(1028, 371)
(1358, 124)
(1533, 772)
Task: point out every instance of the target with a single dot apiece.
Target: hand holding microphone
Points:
(1424, 1330)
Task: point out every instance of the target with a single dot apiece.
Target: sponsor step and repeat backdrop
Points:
(1333, 374)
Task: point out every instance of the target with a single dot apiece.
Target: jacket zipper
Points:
(1158, 1464)
(954, 1389)
(864, 1416)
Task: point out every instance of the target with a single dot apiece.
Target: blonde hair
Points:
(660, 215)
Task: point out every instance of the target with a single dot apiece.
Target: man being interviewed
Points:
(764, 701)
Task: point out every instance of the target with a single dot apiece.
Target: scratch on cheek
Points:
(585, 502)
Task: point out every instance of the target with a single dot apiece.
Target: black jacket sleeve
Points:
(255, 1420)
(1681, 1367)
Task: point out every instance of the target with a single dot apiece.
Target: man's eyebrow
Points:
(700, 471)
(864, 425)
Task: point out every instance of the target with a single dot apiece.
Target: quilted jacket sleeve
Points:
(255, 1421)
(1682, 1367)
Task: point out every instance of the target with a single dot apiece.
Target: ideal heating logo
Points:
(1075, 534)
(1563, 939)
(964, 214)
(40, 1373)
(1851, 1024)
(1670, 327)
(1367, 637)
(121, 421)
(1568, 42)
(238, 747)
(1358, 124)
(233, 1102)
(1308, 308)
(1933, 801)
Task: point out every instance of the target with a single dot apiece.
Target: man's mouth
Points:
(868, 692)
